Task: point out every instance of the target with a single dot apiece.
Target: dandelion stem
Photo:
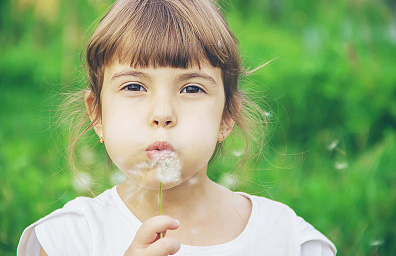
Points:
(160, 204)
(160, 199)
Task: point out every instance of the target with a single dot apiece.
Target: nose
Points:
(163, 114)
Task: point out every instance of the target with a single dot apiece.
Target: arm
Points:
(42, 252)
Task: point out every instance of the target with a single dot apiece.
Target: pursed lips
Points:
(157, 147)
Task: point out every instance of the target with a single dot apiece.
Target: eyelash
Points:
(196, 89)
(199, 90)
(141, 88)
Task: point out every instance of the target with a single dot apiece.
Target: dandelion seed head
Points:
(168, 166)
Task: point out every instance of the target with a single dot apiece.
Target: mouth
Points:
(159, 147)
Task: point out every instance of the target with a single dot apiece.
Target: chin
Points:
(148, 180)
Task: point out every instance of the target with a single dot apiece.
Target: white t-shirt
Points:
(105, 226)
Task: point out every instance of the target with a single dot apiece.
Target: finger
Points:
(164, 246)
(150, 229)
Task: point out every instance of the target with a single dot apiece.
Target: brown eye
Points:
(192, 89)
(134, 87)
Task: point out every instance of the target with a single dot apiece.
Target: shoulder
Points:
(275, 219)
(271, 210)
(51, 231)
(74, 229)
(62, 227)
(279, 220)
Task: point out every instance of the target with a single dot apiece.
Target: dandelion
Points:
(333, 145)
(238, 153)
(193, 181)
(268, 114)
(341, 165)
(168, 167)
(82, 182)
(377, 242)
(117, 177)
(227, 181)
(168, 171)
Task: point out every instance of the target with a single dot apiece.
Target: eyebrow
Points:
(181, 77)
(191, 75)
(129, 73)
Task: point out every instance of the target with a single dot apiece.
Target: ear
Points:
(226, 126)
(93, 113)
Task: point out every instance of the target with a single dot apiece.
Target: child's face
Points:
(183, 107)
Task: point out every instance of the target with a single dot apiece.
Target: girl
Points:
(163, 95)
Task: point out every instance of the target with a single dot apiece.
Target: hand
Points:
(147, 241)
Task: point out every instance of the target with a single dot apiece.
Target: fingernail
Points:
(177, 222)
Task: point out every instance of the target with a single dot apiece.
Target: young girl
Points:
(163, 95)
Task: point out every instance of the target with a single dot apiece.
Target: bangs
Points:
(163, 33)
(160, 38)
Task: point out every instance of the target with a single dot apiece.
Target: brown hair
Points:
(169, 33)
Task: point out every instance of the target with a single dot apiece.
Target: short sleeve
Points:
(312, 240)
(68, 234)
(63, 232)
(316, 248)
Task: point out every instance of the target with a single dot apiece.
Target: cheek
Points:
(204, 131)
(122, 119)
(119, 123)
(122, 129)
(201, 128)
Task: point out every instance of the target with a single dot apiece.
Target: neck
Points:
(191, 195)
(209, 214)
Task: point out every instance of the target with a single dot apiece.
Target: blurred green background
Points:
(329, 94)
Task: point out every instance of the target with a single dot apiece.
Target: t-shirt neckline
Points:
(193, 249)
